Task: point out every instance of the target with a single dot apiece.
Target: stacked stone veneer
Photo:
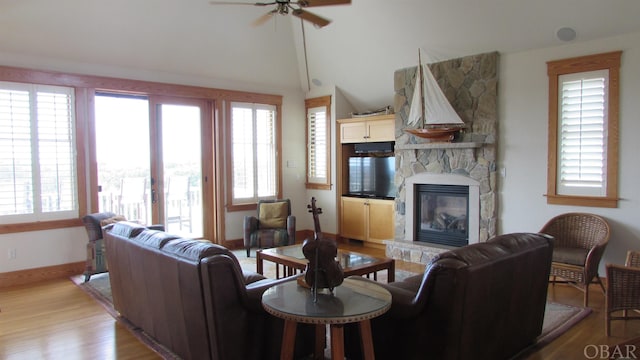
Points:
(471, 85)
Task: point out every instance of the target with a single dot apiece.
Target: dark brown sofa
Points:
(192, 296)
(482, 301)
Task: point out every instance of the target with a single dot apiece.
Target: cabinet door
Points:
(352, 219)
(381, 220)
(354, 132)
(381, 130)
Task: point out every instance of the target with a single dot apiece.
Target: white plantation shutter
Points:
(317, 135)
(254, 152)
(37, 153)
(582, 134)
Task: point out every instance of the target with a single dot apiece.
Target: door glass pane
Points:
(122, 152)
(182, 159)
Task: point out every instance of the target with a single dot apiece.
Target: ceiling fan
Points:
(295, 8)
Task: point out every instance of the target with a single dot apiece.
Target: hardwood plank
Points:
(56, 320)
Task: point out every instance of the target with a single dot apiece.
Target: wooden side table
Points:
(353, 301)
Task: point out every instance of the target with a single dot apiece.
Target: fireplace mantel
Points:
(451, 145)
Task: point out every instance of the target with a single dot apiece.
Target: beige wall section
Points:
(523, 142)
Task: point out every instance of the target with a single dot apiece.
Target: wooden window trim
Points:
(309, 104)
(258, 99)
(606, 61)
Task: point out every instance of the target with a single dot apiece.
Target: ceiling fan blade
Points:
(240, 3)
(316, 20)
(263, 19)
(312, 3)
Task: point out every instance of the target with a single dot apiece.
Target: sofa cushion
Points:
(125, 229)
(572, 256)
(273, 215)
(112, 219)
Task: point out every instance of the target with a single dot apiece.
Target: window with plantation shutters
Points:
(582, 122)
(318, 142)
(254, 170)
(583, 117)
(37, 153)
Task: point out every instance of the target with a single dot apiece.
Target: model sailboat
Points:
(431, 109)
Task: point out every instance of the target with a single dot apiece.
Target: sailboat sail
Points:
(437, 109)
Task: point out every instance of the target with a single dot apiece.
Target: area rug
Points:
(558, 318)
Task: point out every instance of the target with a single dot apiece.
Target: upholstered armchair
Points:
(96, 259)
(580, 241)
(274, 225)
(623, 290)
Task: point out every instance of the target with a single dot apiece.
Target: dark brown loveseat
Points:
(192, 296)
(482, 301)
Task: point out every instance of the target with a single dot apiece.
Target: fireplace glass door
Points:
(442, 214)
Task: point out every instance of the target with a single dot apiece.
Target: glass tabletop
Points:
(347, 259)
(354, 300)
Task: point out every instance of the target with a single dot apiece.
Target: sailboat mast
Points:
(421, 79)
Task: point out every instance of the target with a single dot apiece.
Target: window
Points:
(583, 124)
(37, 153)
(318, 143)
(254, 153)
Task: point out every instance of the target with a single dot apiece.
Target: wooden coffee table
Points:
(293, 261)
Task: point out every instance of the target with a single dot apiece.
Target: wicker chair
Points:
(580, 241)
(623, 290)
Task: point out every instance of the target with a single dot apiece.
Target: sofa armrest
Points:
(403, 305)
(256, 289)
(249, 224)
(291, 229)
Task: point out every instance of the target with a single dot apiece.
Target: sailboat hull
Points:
(436, 134)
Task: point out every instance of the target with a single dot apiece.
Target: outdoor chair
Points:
(178, 198)
(274, 225)
(580, 241)
(623, 290)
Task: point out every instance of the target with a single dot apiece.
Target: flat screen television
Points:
(372, 177)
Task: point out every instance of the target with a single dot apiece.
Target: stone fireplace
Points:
(470, 84)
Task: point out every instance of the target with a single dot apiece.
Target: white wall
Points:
(523, 133)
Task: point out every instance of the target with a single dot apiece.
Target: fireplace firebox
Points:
(442, 214)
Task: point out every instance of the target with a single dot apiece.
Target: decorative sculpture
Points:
(323, 271)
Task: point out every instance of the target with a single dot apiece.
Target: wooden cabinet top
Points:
(367, 118)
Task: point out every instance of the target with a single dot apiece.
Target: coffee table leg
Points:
(288, 340)
(259, 262)
(391, 272)
(366, 340)
(337, 341)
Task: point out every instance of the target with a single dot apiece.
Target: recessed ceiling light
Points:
(566, 34)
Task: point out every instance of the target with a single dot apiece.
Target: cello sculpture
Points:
(323, 271)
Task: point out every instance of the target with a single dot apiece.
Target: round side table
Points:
(353, 301)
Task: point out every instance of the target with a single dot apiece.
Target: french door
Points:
(149, 156)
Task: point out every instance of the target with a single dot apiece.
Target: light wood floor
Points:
(57, 320)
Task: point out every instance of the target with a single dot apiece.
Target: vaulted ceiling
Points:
(358, 52)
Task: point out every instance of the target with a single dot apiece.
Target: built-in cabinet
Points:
(370, 129)
(367, 219)
(371, 220)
